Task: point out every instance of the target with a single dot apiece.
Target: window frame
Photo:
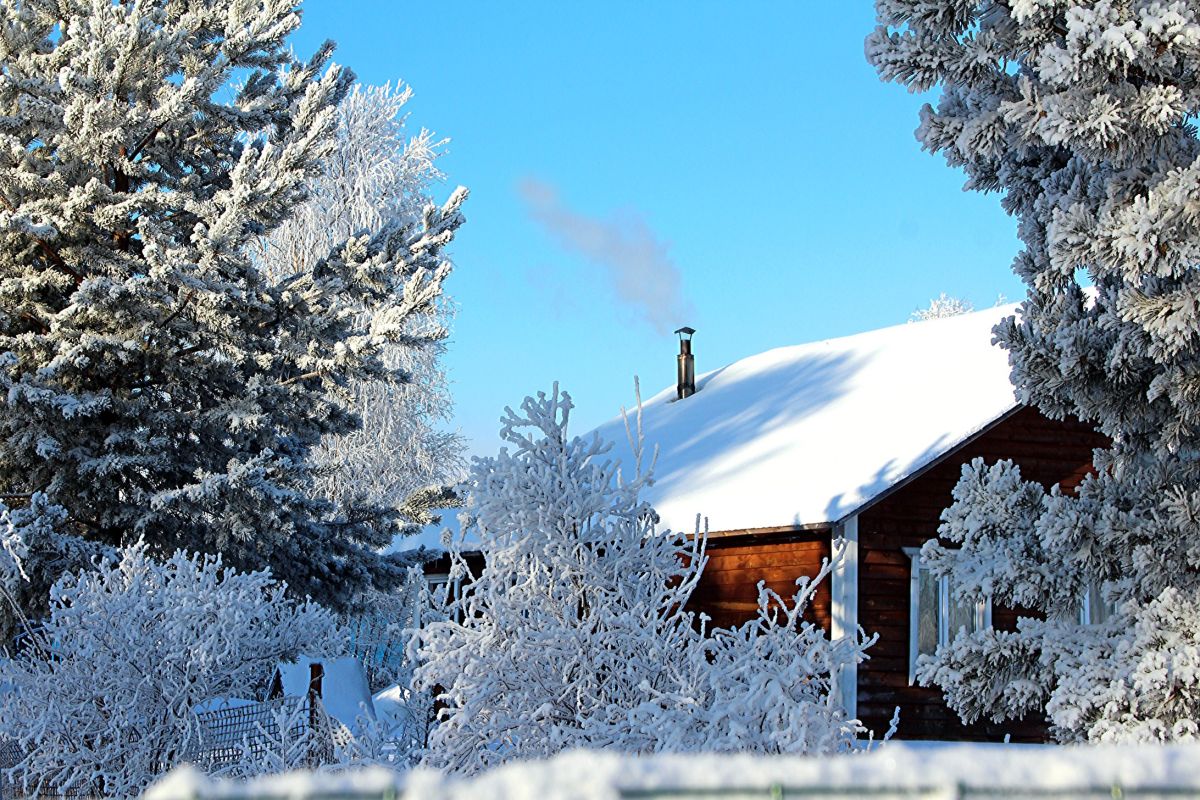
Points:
(1105, 611)
(982, 617)
(435, 580)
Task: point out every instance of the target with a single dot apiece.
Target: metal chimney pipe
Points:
(685, 383)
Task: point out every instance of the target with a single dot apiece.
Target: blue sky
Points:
(741, 158)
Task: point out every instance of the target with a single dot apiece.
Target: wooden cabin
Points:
(863, 438)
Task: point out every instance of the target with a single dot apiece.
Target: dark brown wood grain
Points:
(728, 589)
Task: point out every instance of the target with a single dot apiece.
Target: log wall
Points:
(728, 589)
(1048, 452)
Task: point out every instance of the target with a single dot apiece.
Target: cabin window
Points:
(935, 615)
(1094, 609)
(437, 580)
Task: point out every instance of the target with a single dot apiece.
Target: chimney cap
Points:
(686, 331)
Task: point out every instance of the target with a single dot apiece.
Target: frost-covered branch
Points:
(576, 632)
(375, 176)
(1081, 116)
(133, 647)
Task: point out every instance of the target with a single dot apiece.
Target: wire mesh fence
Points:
(286, 728)
(251, 731)
(11, 754)
(292, 730)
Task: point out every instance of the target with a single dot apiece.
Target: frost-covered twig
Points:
(576, 633)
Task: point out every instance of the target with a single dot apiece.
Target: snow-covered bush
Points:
(769, 684)
(158, 380)
(575, 633)
(1116, 650)
(105, 697)
(941, 307)
(382, 637)
(1082, 115)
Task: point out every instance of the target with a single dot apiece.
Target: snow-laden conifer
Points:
(576, 633)
(158, 381)
(31, 540)
(101, 700)
(1081, 114)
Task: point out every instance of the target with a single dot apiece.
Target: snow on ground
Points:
(809, 433)
(391, 706)
(582, 775)
(189, 783)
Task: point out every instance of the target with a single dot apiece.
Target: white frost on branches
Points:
(377, 176)
(103, 697)
(575, 633)
(159, 380)
(940, 307)
(1082, 116)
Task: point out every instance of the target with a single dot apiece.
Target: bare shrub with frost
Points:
(575, 633)
(104, 698)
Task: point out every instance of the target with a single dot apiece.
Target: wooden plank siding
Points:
(1048, 452)
(728, 589)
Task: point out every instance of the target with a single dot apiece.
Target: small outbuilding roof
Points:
(809, 434)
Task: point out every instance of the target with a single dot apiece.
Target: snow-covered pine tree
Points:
(575, 633)
(1081, 115)
(158, 382)
(377, 176)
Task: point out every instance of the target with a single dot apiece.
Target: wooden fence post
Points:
(316, 671)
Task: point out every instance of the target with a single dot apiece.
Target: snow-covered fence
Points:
(10, 754)
(893, 770)
(247, 734)
(375, 641)
(253, 735)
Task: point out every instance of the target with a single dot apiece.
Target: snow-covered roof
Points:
(344, 691)
(811, 433)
